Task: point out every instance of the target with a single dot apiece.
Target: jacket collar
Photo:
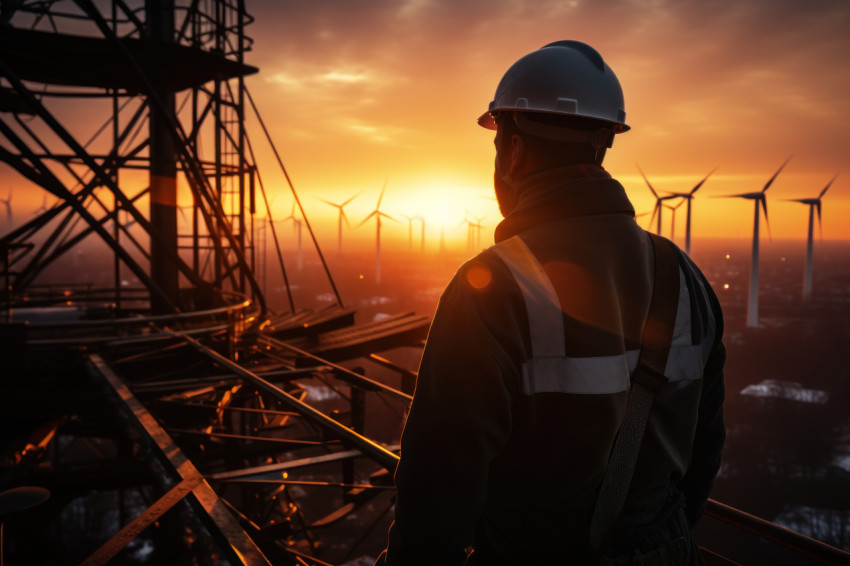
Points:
(565, 192)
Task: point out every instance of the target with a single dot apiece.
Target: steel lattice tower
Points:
(164, 81)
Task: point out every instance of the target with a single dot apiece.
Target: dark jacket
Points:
(524, 380)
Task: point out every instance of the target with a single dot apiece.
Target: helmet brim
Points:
(486, 120)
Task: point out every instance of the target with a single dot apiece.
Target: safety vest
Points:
(550, 370)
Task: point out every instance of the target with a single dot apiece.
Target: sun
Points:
(444, 205)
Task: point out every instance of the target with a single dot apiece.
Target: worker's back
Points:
(568, 407)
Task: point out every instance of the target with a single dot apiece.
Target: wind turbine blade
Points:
(362, 222)
(695, 189)
(654, 210)
(767, 186)
(345, 218)
(739, 195)
(380, 198)
(385, 215)
(823, 192)
(350, 199)
(333, 204)
(648, 184)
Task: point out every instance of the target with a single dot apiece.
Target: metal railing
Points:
(793, 540)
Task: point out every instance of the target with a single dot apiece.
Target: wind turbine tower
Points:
(378, 214)
(673, 210)
(470, 232)
(813, 203)
(342, 217)
(758, 198)
(659, 200)
(689, 196)
(296, 225)
(410, 220)
(477, 227)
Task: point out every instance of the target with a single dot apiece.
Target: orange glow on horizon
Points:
(351, 101)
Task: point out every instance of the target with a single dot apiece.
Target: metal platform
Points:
(308, 322)
(83, 61)
(403, 329)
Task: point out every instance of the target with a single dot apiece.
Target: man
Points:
(525, 377)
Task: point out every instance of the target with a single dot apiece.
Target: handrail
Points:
(770, 531)
(242, 303)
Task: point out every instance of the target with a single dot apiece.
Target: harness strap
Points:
(646, 381)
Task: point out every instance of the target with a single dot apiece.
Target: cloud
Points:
(329, 78)
(381, 134)
(755, 72)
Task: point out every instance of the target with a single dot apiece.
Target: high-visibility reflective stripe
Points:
(682, 330)
(603, 374)
(546, 320)
(551, 371)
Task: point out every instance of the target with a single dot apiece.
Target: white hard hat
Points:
(566, 78)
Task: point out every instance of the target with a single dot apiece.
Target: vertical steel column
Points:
(218, 133)
(240, 149)
(163, 167)
(116, 220)
(218, 274)
(116, 231)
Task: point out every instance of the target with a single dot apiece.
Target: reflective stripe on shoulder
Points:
(550, 371)
(603, 374)
(545, 318)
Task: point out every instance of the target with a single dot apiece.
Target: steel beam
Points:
(235, 541)
(344, 374)
(368, 447)
(798, 542)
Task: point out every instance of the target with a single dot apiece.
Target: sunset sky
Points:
(359, 93)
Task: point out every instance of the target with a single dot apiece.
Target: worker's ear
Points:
(517, 152)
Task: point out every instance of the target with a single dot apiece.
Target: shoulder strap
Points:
(646, 381)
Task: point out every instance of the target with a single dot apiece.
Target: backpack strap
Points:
(646, 381)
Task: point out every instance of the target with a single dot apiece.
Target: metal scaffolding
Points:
(165, 79)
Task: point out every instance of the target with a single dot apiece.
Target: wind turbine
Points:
(410, 220)
(813, 203)
(8, 202)
(296, 225)
(689, 196)
(478, 227)
(658, 201)
(378, 214)
(340, 218)
(470, 234)
(673, 210)
(759, 197)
